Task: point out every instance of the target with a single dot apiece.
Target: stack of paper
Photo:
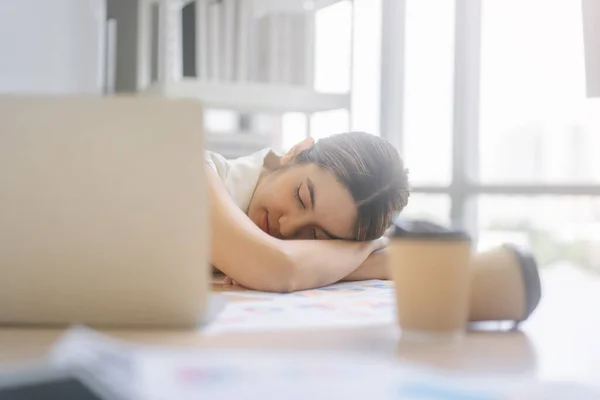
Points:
(350, 304)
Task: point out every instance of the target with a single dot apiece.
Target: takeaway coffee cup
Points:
(430, 266)
(505, 285)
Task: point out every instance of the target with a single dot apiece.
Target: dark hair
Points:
(371, 169)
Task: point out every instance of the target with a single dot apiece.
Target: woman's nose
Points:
(293, 226)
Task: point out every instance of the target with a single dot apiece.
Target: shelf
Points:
(252, 97)
(272, 6)
(236, 144)
(287, 6)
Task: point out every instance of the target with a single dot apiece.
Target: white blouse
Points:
(239, 175)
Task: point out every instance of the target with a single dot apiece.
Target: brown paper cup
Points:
(432, 277)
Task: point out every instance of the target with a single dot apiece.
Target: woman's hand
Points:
(228, 281)
(379, 244)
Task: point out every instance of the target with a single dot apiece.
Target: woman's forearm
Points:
(374, 267)
(323, 262)
(240, 249)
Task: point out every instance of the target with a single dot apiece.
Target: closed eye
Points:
(313, 232)
(297, 194)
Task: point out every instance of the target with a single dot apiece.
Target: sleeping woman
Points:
(315, 216)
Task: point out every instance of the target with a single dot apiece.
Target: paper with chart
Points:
(348, 304)
(163, 373)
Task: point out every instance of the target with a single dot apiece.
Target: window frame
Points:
(464, 186)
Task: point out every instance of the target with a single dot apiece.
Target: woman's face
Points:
(303, 202)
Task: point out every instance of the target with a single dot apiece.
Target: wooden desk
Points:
(560, 342)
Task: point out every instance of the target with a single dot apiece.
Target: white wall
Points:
(52, 46)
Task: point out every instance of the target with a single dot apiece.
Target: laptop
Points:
(103, 212)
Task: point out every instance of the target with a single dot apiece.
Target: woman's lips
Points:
(264, 223)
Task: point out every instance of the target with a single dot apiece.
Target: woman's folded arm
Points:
(240, 249)
(374, 267)
(258, 261)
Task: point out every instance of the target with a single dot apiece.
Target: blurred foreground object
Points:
(103, 218)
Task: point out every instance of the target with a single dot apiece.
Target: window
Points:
(520, 125)
(327, 123)
(322, 124)
(335, 33)
(428, 90)
(433, 207)
(537, 126)
(366, 68)
(294, 127)
(221, 121)
(559, 230)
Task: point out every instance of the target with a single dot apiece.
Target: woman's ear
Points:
(297, 149)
